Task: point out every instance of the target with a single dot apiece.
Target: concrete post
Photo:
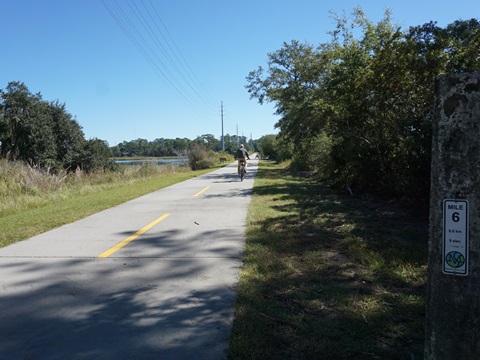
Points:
(453, 290)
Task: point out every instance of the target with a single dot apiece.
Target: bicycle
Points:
(241, 169)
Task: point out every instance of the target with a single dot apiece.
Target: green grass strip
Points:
(23, 224)
(328, 275)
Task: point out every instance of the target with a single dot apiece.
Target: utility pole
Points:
(223, 140)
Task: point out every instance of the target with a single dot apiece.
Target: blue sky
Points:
(196, 54)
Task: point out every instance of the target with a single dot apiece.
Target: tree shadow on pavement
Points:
(136, 306)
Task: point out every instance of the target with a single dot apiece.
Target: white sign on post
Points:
(455, 237)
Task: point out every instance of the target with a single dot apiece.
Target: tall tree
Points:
(96, 155)
(18, 111)
(69, 137)
(209, 141)
(362, 102)
(44, 133)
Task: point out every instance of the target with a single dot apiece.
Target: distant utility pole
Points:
(223, 140)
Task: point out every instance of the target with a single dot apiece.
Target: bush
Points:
(320, 160)
(96, 155)
(200, 157)
(223, 155)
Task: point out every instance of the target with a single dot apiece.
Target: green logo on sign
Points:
(455, 259)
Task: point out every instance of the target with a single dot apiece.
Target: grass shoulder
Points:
(30, 211)
(328, 275)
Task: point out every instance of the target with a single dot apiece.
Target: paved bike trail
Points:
(153, 278)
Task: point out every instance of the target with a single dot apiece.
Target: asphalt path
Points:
(153, 278)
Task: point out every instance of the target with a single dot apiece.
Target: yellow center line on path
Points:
(201, 191)
(133, 237)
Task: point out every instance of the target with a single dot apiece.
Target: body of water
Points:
(160, 161)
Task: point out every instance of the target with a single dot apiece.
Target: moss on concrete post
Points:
(453, 291)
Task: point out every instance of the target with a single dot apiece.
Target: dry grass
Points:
(34, 201)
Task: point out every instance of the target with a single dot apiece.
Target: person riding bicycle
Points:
(242, 155)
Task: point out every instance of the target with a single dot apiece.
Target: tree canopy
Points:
(357, 110)
(44, 133)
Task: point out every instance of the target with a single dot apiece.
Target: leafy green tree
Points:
(462, 46)
(169, 147)
(209, 141)
(19, 107)
(96, 155)
(158, 147)
(180, 146)
(291, 79)
(230, 142)
(116, 151)
(69, 137)
(138, 147)
(37, 143)
(142, 147)
(44, 133)
(267, 145)
(362, 102)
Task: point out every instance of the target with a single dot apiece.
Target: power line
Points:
(164, 51)
(179, 59)
(188, 68)
(141, 32)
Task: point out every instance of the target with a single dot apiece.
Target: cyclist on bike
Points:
(242, 155)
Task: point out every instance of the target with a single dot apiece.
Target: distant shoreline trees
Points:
(178, 146)
(46, 135)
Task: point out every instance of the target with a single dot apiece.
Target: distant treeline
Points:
(44, 134)
(357, 110)
(178, 146)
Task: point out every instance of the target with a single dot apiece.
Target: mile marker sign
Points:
(455, 237)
